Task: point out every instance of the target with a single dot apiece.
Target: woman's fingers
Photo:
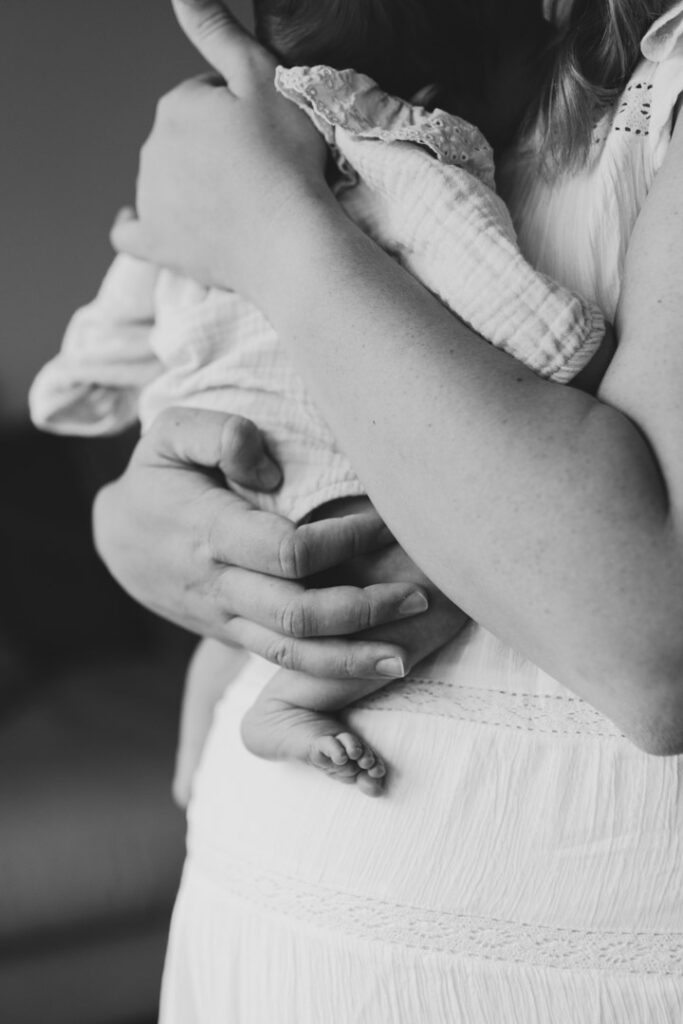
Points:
(294, 612)
(267, 543)
(227, 46)
(201, 437)
(420, 634)
(327, 658)
(153, 529)
(424, 634)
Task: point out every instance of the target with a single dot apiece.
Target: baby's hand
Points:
(421, 634)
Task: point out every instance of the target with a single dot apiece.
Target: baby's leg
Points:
(213, 666)
(293, 719)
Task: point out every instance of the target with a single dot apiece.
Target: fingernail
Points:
(413, 603)
(269, 474)
(391, 667)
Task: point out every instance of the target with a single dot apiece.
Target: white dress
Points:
(526, 863)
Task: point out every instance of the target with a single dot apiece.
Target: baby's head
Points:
(404, 45)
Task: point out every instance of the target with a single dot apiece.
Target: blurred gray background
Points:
(91, 845)
(78, 84)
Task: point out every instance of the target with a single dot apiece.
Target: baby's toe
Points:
(370, 786)
(354, 747)
(378, 770)
(368, 759)
(328, 748)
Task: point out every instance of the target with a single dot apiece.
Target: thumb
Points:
(203, 437)
(222, 41)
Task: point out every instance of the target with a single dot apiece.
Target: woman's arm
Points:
(549, 516)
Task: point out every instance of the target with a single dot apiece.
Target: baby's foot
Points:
(347, 758)
(277, 730)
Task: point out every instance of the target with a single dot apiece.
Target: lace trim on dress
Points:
(529, 712)
(436, 931)
(631, 115)
(355, 103)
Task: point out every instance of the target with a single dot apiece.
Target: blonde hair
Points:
(595, 52)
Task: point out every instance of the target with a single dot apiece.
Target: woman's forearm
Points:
(538, 509)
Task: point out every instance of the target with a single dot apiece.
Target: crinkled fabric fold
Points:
(424, 191)
(353, 102)
(93, 386)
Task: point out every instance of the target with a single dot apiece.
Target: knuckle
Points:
(214, 592)
(354, 540)
(292, 555)
(165, 422)
(349, 665)
(206, 538)
(365, 616)
(294, 619)
(210, 20)
(281, 652)
(157, 440)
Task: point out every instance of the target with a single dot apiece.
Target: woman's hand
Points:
(420, 635)
(226, 161)
(186, 547)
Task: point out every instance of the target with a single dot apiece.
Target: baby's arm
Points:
(213, 667)
(91, 387)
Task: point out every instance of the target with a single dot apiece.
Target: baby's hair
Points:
(403, 45)
(596, 53)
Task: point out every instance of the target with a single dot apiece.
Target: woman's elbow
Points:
(636, 669)
(654, 722)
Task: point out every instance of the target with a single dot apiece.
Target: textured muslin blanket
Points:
(421, 184)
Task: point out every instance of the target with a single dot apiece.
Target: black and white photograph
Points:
(341, 512)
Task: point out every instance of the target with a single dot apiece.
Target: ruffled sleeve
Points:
(352, 101)
(422, 186)
(663, 46)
